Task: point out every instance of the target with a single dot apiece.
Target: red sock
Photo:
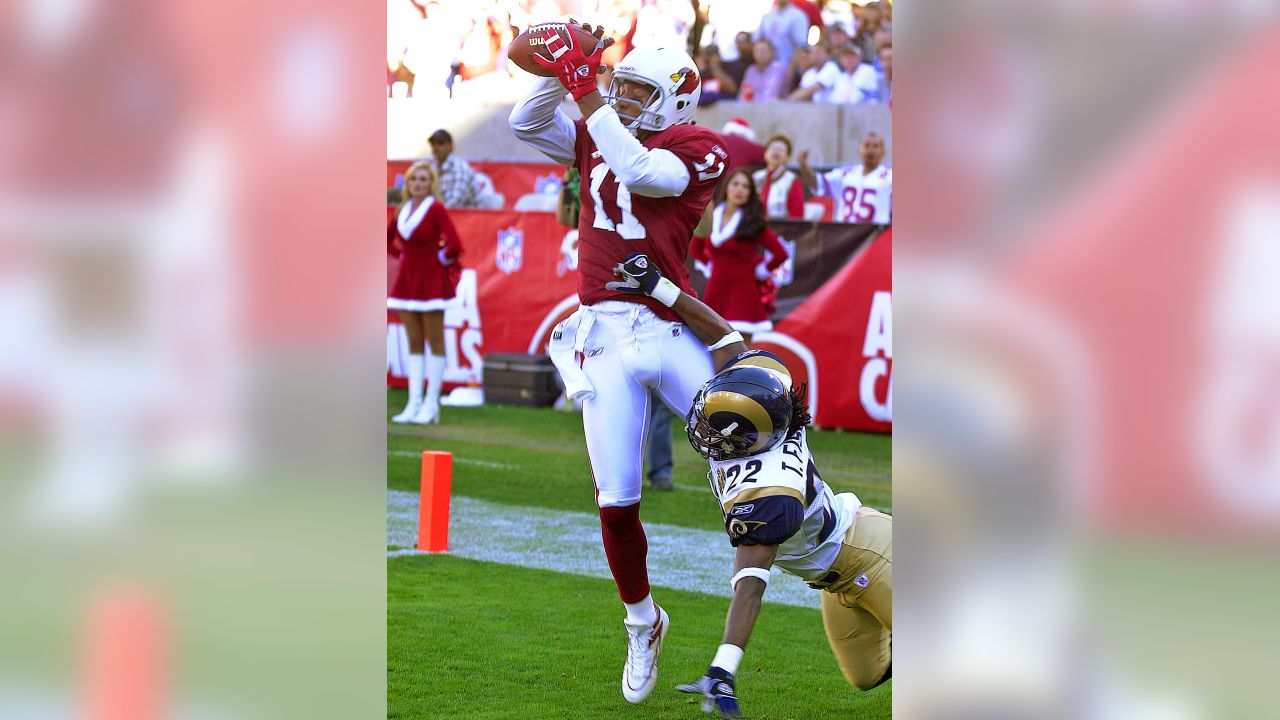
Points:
(627, 549)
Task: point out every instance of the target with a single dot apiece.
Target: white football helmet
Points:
(674, 76)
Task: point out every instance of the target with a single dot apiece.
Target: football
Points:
(549, 40)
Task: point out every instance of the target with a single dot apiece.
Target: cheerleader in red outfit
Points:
(739, 237)
(423, 237)
(781, 190)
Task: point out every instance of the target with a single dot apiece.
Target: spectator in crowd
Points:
(868, 25)
(764, 79)
(801, 61)
(423, 237)
(662, 23)
(837, 14)
(717, 84)
(658, 456)
(811, 11)
(457, 178)
(858, 83)
(862, 193)
(819, 81)
(740, 278)
(398, 73)
(740, 141)
(838, 38)
(786, 27)
(886, 75)
(737, 69)
(883, 39)
(781, 190)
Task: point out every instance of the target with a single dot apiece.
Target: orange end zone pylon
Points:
(127, 656)
(433, 507)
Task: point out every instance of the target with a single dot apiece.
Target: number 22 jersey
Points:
(777, 498)
(615, 222)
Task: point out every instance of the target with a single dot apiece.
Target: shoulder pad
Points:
(764, 521)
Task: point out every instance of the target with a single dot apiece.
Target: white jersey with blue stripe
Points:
(777, 498)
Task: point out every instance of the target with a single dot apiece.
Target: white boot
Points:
(415, 368)
(430, 411)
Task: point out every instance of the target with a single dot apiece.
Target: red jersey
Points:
(614, 222)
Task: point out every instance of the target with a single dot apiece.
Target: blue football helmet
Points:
(743, 410)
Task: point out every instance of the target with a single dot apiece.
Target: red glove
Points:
(575, 69)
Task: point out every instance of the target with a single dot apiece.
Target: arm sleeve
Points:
(651, 173)
(452, 244)
(393, 249)
(777, 253)
(698, 249)
(537, 121)
(829, 182)
(795, 199)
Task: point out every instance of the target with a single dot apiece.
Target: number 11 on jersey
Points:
(629, 228)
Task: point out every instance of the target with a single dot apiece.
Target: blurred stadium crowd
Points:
(832, 51)
(759, 52)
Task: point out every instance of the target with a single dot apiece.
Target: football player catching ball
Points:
(647, 176)
(749, 422)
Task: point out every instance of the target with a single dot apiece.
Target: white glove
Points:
(762, 272)
(444, 258)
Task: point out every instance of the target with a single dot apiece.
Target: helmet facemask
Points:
(634, 114)
(711, 442)
(671, 84)
(742, 411)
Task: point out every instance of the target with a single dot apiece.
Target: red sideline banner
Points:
(833, 327)
(840, 340)
(519, 270)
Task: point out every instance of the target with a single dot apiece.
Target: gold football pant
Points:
(857, 609)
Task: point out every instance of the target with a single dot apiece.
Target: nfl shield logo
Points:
(510, 250)
(547, 184)
(861, 581)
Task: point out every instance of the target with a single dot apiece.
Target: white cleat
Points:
(644, 645)
(409, 411)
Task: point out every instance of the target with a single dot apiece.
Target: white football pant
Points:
(629, 349)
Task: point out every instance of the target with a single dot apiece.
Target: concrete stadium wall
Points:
(830, 132)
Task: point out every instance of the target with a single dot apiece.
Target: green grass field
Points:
(468, 638)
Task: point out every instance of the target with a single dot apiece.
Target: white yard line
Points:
(461, 460)
(569, 542)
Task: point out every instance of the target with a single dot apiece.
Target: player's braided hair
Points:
(799, 407)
